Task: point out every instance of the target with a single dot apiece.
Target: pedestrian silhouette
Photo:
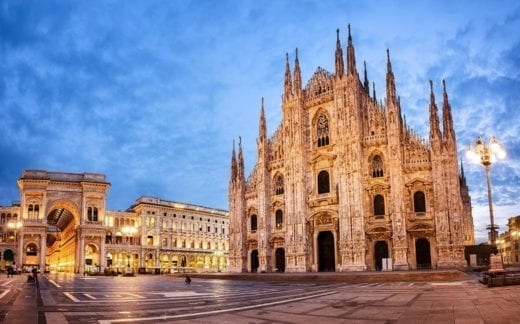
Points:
(188, 280)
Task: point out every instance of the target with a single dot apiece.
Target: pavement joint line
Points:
(7, 282)
(90, 296)
(4, 293)
(68, 294)
(220, 311)
(54, 283)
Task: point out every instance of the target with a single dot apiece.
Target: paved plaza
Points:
(67, 298)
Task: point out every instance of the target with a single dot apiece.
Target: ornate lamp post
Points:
(487, 155)
(15, 226)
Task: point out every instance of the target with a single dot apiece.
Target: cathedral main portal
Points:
(326, 259)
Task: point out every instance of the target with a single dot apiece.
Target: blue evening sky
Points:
(152, 93)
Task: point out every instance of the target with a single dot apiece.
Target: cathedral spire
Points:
(297, 74)
(233, 164)
(462, 176)
(262, 128)
(447, 120)
(366, 84)
(240, 162)
(287, 81)
(351, 57)
(390, 82)
(374, 91)
(340, 68)
(435, 133)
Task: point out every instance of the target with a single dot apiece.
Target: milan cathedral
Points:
(344, 184)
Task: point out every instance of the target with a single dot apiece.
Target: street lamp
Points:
(487, 155)
(15, 226)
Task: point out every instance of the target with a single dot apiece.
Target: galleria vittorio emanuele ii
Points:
(61, 224)
(344, 184)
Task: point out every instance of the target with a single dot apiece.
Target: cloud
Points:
(153, 94)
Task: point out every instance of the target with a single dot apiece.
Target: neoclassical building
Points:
(61, 224)
(344, 184)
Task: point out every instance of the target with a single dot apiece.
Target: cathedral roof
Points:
(320, 82)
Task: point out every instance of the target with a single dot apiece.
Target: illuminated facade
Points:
(344, 184)
(508, 243)
(61, 224)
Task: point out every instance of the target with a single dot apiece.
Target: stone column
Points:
(43, 251)
(102, 257)
(19, 256)
(81, 254)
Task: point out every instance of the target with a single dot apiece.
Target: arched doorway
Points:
(380, 253)
(62, 239)
(280, 260)
(254, 261)
(422, 254)
(326, 253)
(9, 255)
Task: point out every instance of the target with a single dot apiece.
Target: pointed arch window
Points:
(379, 206)
(278, 185)
(323, 182)
(279, 219)
(253, 223)
(322, 130)
(419, 202)
(376, 167)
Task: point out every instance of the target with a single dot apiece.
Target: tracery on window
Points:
(278, 185)
(376, 167)
(322, 130)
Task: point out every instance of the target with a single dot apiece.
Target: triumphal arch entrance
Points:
(63, 226)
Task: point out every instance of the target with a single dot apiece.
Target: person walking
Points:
(188, 280)
(35, 276)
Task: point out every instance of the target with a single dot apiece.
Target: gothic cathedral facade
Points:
(344, 184)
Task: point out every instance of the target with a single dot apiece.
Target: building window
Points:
(322, 130)
(379, 206)
(278, 184)
(279, 218)
(92, 214)
(253, 223)
(164, 243)
(192, 244)
(419, 202)
(33, 211)
(200, 245)
(323, 182)
(376, 167)
(149, 240)
(209, 245)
